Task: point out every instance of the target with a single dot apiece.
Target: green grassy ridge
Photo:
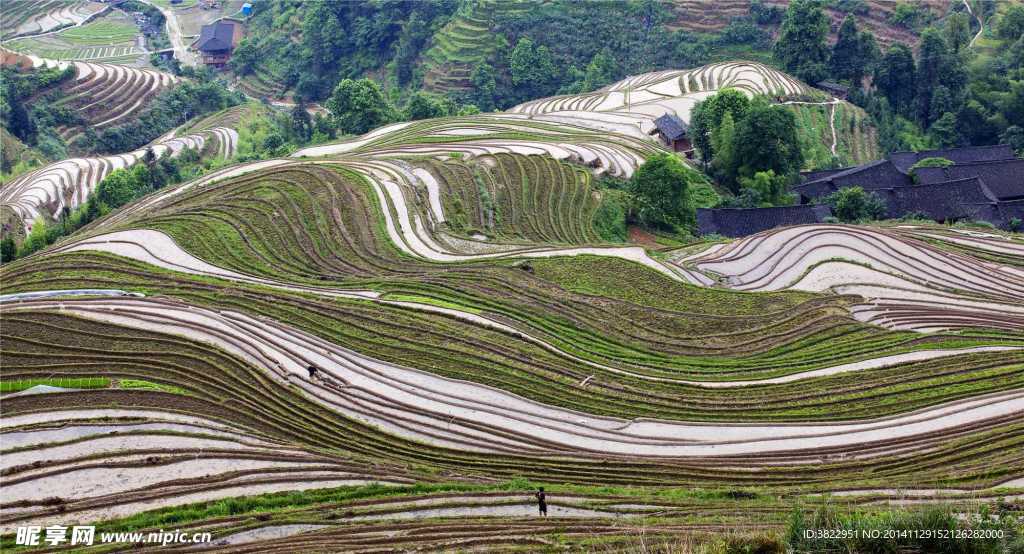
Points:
(856, 138)
(16, 385)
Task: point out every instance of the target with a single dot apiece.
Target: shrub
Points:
(1014, 225)
(853, 204)
(661, 191)
(928, 162)
(610, 216)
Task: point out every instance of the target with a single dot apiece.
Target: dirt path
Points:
(181, 51)
(981, 25)
(831, 118)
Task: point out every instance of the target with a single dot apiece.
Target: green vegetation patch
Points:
(150, 385)
(632, 282)
(63, 382)
(100, 32)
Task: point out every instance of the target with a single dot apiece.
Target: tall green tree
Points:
(301, 123)
(896, 79)
(414, 35)
(770, 189)
(359, 106)
(854, 53)
(931, 61)
(1011, 24)
(802, 46)
(958, 31)
(722, 139)
(484, 86)
(601, 70)
(661, 191)
(846, 61)
(707, 116)
(117, 189)
(19, 122)
(8, 250)
(532, 69)
(944, 131)
(423, 105)
(766, 139)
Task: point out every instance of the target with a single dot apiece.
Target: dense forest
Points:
(376, 62)
(941, 91)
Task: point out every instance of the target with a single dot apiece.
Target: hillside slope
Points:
(876, 16)
(425, 322)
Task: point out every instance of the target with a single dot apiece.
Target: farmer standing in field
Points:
(542, 504)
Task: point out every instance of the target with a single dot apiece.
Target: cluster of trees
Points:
(340, 40)
(946, 96)
(357, 106)
(541, 51)
(117, 189)
(749, 146)
(803, 50)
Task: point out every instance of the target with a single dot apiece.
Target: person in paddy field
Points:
(542, 503)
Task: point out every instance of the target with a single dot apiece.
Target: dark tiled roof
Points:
(968, 154)
(671, 126)
(216, 36)
(881, 174)
(829, 85)
(951, 200)
(739, 222)
(822, 173)
(1005, 178)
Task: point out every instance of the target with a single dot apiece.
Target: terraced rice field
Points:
(463, 43)
(65, 185)
(828, 128)
(105, 53)
(635, 102)
(102, 94)
(476, 338)
(33, 17)
(107, 37)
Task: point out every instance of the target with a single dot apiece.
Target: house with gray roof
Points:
(979, 181)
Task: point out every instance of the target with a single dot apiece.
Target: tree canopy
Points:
(853, 53)
(359, 106)
(766, 139)
(707, 116)
(661, 191)
(802, 45)
(854, 204)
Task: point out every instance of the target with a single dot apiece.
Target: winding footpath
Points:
(981, 25)
(831, 118)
